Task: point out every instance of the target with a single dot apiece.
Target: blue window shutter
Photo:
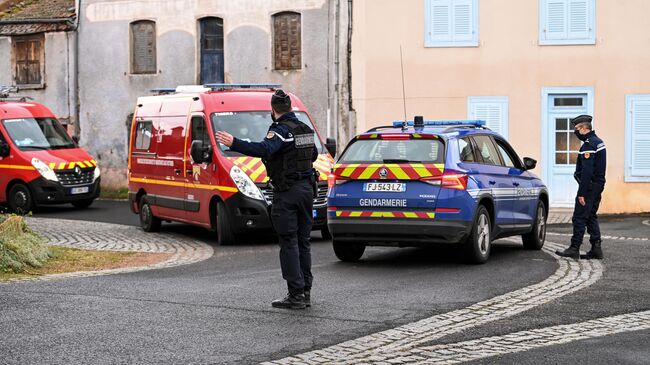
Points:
(579, 26)
(556, 19)
(463, 20)
(440, 21)
(640, 136)
(492, 109)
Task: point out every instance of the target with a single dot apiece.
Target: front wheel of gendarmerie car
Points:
(479, 242)
(148, 221)
(534, 240)
(82, 204)
(348, 251)
(20, 199)
(225, 235)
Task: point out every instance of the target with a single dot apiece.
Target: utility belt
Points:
(295, 177)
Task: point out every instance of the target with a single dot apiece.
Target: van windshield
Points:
(37, 133)
(251, 127)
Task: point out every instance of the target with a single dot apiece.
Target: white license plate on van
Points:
(81, 190)
(385, 187)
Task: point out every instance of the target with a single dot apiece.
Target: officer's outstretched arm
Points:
(262, 149)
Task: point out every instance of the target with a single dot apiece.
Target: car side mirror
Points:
(529, 163)
(4, 149)
(200, 153)
(330, 144)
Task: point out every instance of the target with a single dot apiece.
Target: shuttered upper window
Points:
(287, 41)
(143, 47)
(637, 138)
(567, 22)
(492, 109)
(451, 23)
(28, 56)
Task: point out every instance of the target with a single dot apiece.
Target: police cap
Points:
(280, 101)
(581, 119)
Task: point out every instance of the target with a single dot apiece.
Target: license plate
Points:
(385, 187)
(314, 213)
(81, 190)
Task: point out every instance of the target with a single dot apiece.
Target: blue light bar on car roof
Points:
(442, 123)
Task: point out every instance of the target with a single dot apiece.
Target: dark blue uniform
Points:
(590, 174)
(291, 212)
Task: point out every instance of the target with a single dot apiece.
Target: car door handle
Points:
(177, 171)
(492, 182)
(515, 183)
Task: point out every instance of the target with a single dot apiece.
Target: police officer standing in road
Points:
(288, 152)
(590, 174)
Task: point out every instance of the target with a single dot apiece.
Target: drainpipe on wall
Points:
(75, 83)
(351, 112)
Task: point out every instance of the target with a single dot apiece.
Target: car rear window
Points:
(384, 151)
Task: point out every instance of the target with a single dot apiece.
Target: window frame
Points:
(429, 42)
(133, 53)
(504, 103)
(138, 135)
(543, 21)
(41, 59)
(276, 65)
(629, 100)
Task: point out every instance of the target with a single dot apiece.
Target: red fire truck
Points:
(177, 171)
(39, 162)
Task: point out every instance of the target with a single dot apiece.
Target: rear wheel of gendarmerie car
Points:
(148, 221)
(348, 251)
(225, 235)
(478, 244)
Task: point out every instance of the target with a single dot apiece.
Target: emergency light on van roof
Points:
(242, 86)
(443, 123)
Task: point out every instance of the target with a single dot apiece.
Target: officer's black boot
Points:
(291, 301)
(573, 252)
(308, 298)
(596, 252)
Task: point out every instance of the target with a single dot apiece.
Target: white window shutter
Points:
(441, 20)
(640, 129)
(463, 24)
(556, 19)
(579, 23)
(493, 110)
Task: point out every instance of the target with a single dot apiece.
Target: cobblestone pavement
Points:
(405, 344)
(115, 237)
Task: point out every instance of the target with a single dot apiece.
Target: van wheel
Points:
(148, 221)
(20, 199)
(325, 233)
(82, 204)
(479, 242)
(534, 240)
(225, 235)
(348, 251)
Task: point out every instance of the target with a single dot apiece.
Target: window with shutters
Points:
(567, 22)
(637, 138)
(28, 59)
(451, 23)
(492, 109)
(143, 47)
(287, 41)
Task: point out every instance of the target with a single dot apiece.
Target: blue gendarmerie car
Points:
(424, 182)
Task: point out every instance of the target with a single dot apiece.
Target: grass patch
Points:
(20, 247)
(121, 193)
(66, 260)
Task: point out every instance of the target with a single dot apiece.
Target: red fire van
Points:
(178, 172)
(39, 162)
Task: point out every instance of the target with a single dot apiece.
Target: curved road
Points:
(218, 310)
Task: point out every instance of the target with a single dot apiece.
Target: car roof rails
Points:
(374, 129)
(450, 124)
(5, 92)
(221, 87)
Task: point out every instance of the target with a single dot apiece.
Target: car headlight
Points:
(44, 169)
(245, 184)
(97, 173)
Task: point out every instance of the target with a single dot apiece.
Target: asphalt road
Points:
(218, 311)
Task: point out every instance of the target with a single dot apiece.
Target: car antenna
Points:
(401, 62)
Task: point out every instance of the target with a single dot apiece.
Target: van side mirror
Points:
(330, 144)
(200, 153)
(529, 163)
(4, 149)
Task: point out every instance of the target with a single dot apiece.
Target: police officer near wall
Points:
(590, 175)
(288, 152)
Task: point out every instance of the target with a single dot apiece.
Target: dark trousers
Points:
(584, 216)
(292, 219)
